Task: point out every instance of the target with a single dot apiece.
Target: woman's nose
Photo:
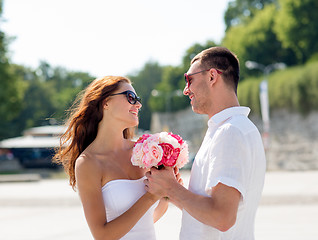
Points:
(138, 104)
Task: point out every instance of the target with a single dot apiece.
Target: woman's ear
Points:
(105, 105)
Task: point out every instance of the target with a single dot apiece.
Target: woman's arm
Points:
(164, 202)
(160, 209)
(88, 175)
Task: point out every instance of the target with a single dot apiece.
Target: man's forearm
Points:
(205, 209)
(197, 206)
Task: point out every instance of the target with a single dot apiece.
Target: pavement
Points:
(26, 177)
(49, 209)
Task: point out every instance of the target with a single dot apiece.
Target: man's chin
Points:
(195, 110)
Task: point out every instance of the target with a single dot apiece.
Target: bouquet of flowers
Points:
(160, 149)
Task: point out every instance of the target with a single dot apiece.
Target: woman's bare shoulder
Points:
(87, 163)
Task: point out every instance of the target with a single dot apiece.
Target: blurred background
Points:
(51, 50)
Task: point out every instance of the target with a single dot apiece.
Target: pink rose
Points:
(167, 138)
(143, 138)
(179, 139)
(184, 156)
(152, 155)
(147, 152)
(163, 148)
(137, 154)
(170, 154)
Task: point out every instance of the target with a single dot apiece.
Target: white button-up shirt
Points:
(231, 153)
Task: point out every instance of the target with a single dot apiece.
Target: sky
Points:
(104, 37)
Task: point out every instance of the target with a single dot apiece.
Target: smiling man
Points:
(227, 175)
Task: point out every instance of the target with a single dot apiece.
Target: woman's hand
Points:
(178, 175)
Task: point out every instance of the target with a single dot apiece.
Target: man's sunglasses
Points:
(188, 80)
(132, 98)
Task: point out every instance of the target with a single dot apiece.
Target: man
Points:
(227, 176)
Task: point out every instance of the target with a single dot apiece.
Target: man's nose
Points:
(186, 90)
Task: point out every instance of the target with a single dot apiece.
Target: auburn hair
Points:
(82, 125)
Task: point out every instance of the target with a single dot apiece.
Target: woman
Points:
(95, 152)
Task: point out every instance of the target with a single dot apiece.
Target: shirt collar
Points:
(226, 114)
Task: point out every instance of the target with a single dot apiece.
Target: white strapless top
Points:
(119, 195)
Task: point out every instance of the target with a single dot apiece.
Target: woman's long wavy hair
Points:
(82, 125)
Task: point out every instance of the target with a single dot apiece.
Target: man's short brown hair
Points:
(222, 59)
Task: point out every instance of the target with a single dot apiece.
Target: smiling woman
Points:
(83, 125)
(96, 150)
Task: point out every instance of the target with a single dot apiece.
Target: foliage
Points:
(47, 93)
(297, 27)
(284, 31)
(144, 81)
(265, 31)
(295, 89)
(167, 95)
(67, 85)
(248, 94)
(11, 89)
(194, 50)
(256, 41)
(169, 91)
(240, 11)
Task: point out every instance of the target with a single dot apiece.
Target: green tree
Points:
(11, 87)
(240, 11)
(49, 92)
(144, 81)
(37, 105)
(192, 51)
(67, 85)
(294, 89)
(296, 26)
(256, 40)
(169, 91)
(60, 86)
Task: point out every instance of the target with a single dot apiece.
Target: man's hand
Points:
(161, 182)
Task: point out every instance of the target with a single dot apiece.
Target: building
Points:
(35, 148)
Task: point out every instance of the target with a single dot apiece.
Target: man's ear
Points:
(212, 79)
(213, 75)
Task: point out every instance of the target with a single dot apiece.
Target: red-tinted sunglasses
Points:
(188, 80)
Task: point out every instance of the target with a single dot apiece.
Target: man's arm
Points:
(219, 210)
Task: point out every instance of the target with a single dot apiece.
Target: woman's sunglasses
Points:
(132, 98)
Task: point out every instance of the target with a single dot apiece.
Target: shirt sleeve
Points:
(229, 160)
